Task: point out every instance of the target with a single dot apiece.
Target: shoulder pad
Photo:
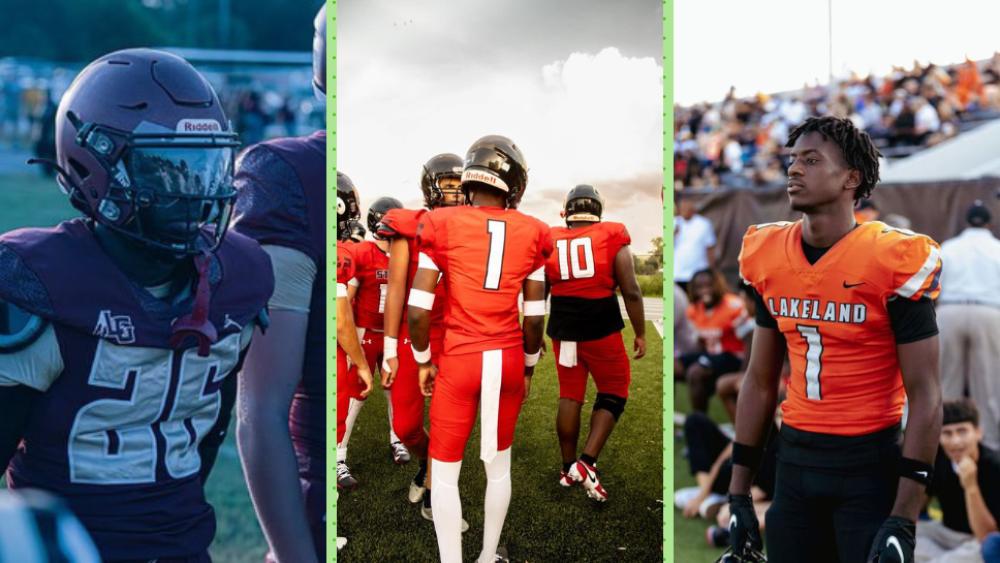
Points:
(18, 328)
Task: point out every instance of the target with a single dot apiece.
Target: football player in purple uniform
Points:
(281, 418)
(121, 329)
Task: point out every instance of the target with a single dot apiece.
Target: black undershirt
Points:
(911, 320)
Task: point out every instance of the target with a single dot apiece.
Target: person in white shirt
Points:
(969, 319)
(694, 242)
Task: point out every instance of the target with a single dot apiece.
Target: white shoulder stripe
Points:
(913, 285)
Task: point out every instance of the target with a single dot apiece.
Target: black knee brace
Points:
(611, 403)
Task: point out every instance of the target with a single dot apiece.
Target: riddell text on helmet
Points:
(199, 126)
(476, 176)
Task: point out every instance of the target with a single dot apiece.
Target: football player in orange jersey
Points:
(852, 306)
(721, 319)
(592, 259)
(487, 254)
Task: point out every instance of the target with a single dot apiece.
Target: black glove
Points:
(894, 542)
(744, 530)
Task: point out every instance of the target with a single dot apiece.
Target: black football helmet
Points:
(356, 231)
(438, 168)
(348, 205)
(495, 161)
(378, 210)
(319, 54)
(583, 203)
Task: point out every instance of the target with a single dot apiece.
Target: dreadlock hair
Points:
(719, 286)
(855, 145)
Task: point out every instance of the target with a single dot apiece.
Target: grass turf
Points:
(545, 522)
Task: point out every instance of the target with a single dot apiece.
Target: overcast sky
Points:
(777, 45)
(577, 84)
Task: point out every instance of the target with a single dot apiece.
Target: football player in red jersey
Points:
(367, 292)
(439, 182)
(487, 254)
(282, 426)
(852, 307)
(116, 388)
(354, 378)
(591, 260)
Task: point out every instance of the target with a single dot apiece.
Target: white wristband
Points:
(422, 299)
(531, 359)
(389, 347)
(534, 308)
(422, 357)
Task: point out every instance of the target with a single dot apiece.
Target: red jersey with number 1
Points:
(583, 262)
(833, 314)
(485, 255)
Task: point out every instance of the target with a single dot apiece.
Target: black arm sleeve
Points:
(912, 321)
(208, 450)
(761, 313)
(15, 404)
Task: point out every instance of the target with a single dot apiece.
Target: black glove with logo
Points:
(894, 542)
(744, 530)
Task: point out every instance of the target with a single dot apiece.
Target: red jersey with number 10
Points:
(583, 262)
(833, 314)
(485, 255)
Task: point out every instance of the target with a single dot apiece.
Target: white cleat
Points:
(341, 542)
(417, 490)
(400, 455)
(428, 514)
(565, 480)
(582, 472)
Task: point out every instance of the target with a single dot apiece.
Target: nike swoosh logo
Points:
(732, 522)
(922, 474)
(892, 541)
(846, 286)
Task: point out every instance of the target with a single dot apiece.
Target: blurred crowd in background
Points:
(738, 142)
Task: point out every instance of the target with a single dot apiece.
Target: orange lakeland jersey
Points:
(404, 223)
(845, 372)
(372, 279)
(485, 255)
(583, 262)
(719, 327)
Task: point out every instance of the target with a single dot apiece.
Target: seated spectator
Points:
(967, 485)
(710, 458)
(685, 336)
(721, 321)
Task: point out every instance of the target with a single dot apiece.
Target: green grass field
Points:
(545, 522)
(32, 201)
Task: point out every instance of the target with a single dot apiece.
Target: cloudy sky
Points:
(777, 45)
(577, 84)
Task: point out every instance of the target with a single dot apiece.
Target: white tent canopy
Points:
(971, 155)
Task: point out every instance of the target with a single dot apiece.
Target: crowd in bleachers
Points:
(738, 142)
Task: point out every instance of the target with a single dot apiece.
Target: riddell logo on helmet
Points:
(199, 126)
(484, 177)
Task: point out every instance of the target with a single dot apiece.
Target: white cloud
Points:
(589, 118)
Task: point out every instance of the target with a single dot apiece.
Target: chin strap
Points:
(196, 322)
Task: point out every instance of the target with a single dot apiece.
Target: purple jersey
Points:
(117, 432)
(281, 201)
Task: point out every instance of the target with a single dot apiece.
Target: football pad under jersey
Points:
(485, 255)
(833, 314)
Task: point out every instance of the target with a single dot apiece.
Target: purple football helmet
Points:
(145, 148)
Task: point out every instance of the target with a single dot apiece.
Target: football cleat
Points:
(344, 479)
(341, 542)
(428, 514)
(417, 489)
(751, 556)
(583, 473)
(400, 454)
(501, 556)
(565, 480)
